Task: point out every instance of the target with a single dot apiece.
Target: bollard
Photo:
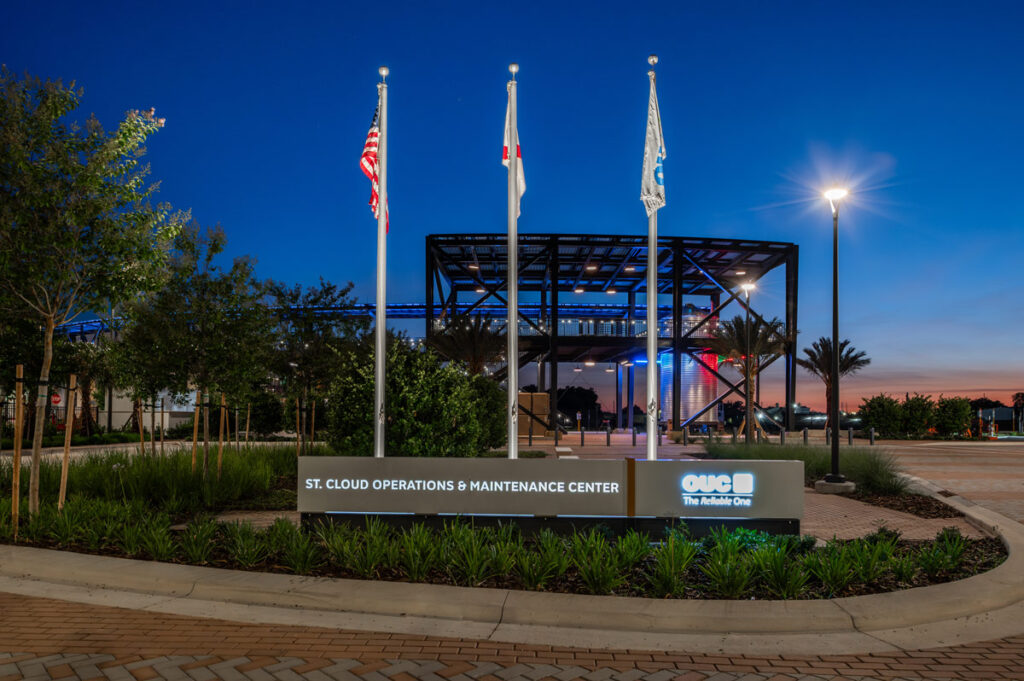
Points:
(686, 436)
(608, 437)
(871, 437)
(782, 437)
(634, 436)
(734, 434)
(849, 437)
(581, 437)
(805, 437)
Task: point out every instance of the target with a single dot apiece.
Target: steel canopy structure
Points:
(467, 274)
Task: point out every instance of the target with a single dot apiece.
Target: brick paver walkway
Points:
(987, 473)
(57, 639)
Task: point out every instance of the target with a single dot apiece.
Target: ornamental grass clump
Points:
(419, 552)
(468, 553)
(247, 548)
(778, 572)
(197, 541)
(671, 560)
(596, 562)
(156, 539)
(301, 554)
(833, 567)
(873, 470)
(728, 566)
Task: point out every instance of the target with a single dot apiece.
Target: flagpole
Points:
(382, 259)
(512, 327)
(653, 381)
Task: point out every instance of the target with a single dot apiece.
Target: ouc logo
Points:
(699, 483)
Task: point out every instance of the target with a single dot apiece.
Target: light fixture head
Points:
(630, 268)
(611, 292)
(748, 287)
(591, 268)
(589, 363)
(577, 368)
(740, 273)
(480, 290)
(578, 289)
(836, 193)
(474, 266)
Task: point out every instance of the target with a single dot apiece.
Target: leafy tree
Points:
(430, 406)
(574, 398)
(77, 232)
(884, 414)
(918, 415)
(952, 415)
(312, 331)
(207, 328)
(819, 363)
(985, 403)
(472, 341)
(267, 414)
(759, 340)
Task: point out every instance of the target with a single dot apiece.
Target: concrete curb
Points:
(983, 607)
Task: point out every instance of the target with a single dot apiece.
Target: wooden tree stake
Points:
(312, 424)
(298, 428)
(195, 430)
(163, 415)
(19, 418)
(142, 433)
(69, 424)
(220, 438)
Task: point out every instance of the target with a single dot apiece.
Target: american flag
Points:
(369, 165)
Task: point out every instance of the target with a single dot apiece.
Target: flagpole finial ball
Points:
(513, 68)
(652, 60)
(383, 71)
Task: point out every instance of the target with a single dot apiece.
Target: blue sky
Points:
(916, 105)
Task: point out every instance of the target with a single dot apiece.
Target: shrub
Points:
(918, 415)
(952, 415)
(433, 408)
(884, 414)
(266, 415)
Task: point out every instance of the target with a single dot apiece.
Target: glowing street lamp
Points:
(834, 196)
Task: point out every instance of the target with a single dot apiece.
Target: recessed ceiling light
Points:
(474, 267)
(479, 290)
(630, 269)
(578, 289)
(591, 268)
(741, 272)
(611, 291)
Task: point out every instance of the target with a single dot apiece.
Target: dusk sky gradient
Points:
(917, 106)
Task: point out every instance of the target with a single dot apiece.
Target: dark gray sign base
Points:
(618, 525)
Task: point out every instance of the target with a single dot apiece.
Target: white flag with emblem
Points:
(652, 185)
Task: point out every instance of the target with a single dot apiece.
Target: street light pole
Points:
(834, 196)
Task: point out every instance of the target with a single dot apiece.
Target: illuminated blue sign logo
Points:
(717, 489)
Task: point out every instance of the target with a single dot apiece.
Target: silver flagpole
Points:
(512, 327)
(653, 377)
(382, 259)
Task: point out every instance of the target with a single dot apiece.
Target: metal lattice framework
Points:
(468, 274)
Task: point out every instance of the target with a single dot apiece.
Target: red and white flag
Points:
(520, 178)
(369, 165)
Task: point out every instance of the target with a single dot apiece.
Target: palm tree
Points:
(750, 343)
(470, 340)
(819, 363)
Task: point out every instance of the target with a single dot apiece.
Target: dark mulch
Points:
(914, 504)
